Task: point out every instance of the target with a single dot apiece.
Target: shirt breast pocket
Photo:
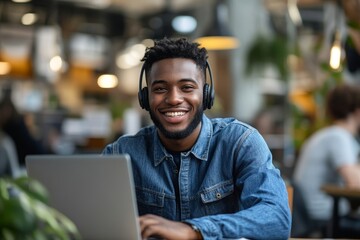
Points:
(219, 198)
(149, 202)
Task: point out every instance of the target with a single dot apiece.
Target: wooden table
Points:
(337, 192)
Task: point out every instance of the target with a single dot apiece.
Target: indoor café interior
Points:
(70, 76)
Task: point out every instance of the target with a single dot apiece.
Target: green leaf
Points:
(268, 51)
(33, 188)
(26, 216)
(18, 214)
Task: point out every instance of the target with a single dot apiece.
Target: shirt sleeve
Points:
(264, 212)
(342, 150)
(107, 150)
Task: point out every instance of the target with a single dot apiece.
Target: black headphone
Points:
(208, 95)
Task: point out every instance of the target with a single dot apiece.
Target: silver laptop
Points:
(96, 192)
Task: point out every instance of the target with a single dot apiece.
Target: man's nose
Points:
(174, 97)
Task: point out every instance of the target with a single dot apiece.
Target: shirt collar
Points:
(200, 150)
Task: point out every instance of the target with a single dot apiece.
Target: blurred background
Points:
(71, 67)
(69, 70)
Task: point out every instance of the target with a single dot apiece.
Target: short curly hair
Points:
(343, 100)
(175, 48)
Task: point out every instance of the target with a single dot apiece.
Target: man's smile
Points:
(174, 114)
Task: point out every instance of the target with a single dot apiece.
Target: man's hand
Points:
(155, 226)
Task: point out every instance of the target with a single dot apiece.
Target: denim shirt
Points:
(226, 185)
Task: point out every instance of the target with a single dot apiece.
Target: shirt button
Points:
(176, 171)
(218, 195)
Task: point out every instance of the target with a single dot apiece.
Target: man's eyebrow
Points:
(189, 80)
(158, 82)
(181, 80)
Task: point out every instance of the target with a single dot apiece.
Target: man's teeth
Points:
(174, 114)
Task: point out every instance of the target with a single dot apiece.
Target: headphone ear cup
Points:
(144, 99)
(206, 96)
(211, 97)
(140, 99)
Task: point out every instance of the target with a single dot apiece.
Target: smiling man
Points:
(195, 177)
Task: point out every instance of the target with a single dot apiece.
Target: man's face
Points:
(175, 97)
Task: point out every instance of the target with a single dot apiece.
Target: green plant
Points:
(264, 51)
(25, 214)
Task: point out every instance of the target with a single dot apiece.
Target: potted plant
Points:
(25, 214)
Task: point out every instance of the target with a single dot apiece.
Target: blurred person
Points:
(9, 163)
(13, 124)
(330, 156)
(195, 177)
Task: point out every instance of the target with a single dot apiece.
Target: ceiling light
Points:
(184, 24)
(56, 63)
(107, 81)
(29, 18)
(335, 53)
(21, 1)
(336, 48)
(218, 42)
(218, 36)
(294, 12)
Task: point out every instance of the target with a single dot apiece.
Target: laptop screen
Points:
(96, 192)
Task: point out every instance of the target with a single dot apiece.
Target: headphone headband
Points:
(141, 76)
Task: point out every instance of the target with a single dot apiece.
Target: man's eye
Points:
(159, 89)
(188, 87)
